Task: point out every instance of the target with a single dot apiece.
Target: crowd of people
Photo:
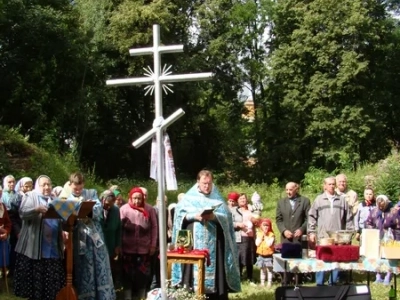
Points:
(116, 246)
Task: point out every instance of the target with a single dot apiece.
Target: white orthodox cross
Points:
(156, 80)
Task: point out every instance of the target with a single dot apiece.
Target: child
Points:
(265, 248)
(5, 229)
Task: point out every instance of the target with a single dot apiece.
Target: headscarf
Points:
(37, 186)
(21, 183)
(384, 199)
(5, 184)
(269, 223)
(107, 193)
(233, 196)
(381, 212)
(138, 208)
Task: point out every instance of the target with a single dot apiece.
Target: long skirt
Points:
(4, 254)
(136, 270)
(38, 279)
(246, 251)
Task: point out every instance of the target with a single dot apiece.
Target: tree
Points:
(323, 63)
(42, 68)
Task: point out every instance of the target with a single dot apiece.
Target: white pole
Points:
(160, 163)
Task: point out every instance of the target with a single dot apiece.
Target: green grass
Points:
(378, 291)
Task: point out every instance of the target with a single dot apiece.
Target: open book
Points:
(209, 210)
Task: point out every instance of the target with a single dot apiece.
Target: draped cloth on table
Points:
(205, 235)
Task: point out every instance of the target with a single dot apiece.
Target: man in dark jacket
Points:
(291, 215)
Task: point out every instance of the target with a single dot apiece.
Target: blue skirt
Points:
(4, 254)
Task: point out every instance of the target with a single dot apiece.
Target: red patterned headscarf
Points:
(269, 223)
(139, 208)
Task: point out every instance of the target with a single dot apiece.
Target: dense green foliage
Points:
(322, 75)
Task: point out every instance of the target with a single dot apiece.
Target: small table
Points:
(188, 258)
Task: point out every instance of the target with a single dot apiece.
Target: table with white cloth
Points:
(308, 265)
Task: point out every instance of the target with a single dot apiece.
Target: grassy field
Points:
(379, 291)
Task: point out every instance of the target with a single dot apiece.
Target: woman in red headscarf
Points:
(265, 249)
(139, 240)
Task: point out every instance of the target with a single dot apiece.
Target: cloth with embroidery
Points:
(65, 208)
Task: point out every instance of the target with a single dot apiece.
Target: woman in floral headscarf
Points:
(39, 269)
(139, 241)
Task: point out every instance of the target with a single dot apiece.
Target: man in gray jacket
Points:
(329, 212)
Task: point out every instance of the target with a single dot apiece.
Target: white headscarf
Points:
(21, 183)
(5, 184)
(37, 185)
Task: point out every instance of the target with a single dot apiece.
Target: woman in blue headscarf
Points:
(39, 269)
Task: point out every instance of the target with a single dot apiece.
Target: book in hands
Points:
(209, 210)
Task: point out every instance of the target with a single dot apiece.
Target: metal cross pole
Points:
(155, 82)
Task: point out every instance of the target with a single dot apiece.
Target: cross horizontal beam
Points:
(162, 79)
(167, 122)
(159, 49)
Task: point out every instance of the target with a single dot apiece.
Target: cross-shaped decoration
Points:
(157, 80)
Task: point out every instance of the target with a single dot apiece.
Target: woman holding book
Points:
(39, 268)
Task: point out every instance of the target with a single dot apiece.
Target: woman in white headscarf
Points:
(5, 229)
(12, 200)
(8, 191)
(39, 269)
(24, 185)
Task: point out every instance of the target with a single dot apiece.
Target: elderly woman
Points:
(92, 272)
(364, 210)
(139, 241)
(111, 224)
(24, 185)
(39, 271)
(242, 222)
(233, 200)
(8, 191)
(376, 220)
(12, 198)
(5, 229)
